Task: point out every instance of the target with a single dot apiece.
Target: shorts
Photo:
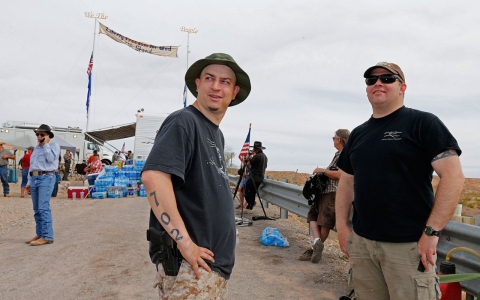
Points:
(323, 210)
(382, 270)
(187, 286)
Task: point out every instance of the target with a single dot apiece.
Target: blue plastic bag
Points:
(272, 237)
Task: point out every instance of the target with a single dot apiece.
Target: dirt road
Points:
(100, 252)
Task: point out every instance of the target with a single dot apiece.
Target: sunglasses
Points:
(385, 79)
(333, 138)
(40, 134)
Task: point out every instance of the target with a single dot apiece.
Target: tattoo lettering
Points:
(165, 218)
(178, 236)
(445, 154)
(154, 194)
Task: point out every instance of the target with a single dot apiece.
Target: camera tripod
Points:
(255, 218)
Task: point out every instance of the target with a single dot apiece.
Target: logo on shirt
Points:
(392, 136)
(222, 170)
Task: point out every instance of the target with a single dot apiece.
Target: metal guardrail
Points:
(290, 197)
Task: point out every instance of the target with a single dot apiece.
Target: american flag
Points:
(90, 65)
(89, 72)
(245, 147)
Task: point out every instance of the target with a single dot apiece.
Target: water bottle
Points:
(82, 194)
(74, 195)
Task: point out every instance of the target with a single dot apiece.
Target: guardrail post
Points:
(265, 203)
(283, 213)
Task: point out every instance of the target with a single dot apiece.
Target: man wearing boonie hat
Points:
(41, 180)
(186, 180)
(387, 167)
(4, 156)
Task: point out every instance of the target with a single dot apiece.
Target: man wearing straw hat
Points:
(387, 167)
(186, 180)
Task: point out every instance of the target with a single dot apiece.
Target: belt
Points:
(36, 173)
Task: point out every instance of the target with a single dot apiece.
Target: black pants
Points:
(250, 192)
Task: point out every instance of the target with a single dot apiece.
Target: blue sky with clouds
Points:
(305, 60)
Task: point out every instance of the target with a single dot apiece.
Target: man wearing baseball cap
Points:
(397, 219)
(187, 185)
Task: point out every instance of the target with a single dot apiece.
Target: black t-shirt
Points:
(191, 148)
(390, 159)
(258, 165)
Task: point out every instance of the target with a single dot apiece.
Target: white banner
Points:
(170, 51)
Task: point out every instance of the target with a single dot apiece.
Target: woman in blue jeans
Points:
(25, 162)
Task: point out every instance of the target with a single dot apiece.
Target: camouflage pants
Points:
(187, 286)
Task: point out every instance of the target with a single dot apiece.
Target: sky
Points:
(305, 60)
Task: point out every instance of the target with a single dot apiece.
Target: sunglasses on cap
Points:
(40, 134)
(385, 79)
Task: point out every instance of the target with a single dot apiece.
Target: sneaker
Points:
(307, 255)
(317, 252)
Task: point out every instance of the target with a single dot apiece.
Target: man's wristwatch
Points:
(430, 231)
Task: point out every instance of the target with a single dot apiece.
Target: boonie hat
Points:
(394, 68)
(45, 128)
(30, 148)
(242, 79)
(2, 143)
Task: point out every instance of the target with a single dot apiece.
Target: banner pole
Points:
(188, 31)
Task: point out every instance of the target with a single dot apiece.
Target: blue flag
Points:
(185, 95)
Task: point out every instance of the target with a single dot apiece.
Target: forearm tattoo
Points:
(154, 194)
(445, 154)
(165, 218)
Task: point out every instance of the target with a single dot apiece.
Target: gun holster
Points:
(168, 255)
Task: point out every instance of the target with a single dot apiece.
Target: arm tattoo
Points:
(445, 154)
(165, 218)
(178, 236)
(154, 194)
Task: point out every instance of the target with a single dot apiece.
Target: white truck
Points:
(14, 129)
(146, 129)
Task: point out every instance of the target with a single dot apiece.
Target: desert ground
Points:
(100, 251)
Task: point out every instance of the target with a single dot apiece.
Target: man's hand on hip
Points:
(195, 256)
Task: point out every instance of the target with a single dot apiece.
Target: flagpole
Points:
(188, 31)
(95, 17)
(93, 52)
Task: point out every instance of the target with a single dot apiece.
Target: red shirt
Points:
(26, 161)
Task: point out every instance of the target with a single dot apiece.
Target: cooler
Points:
(13, 175)
(77, 190)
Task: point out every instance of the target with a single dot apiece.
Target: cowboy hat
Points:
(45, 128)
(257, 145)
